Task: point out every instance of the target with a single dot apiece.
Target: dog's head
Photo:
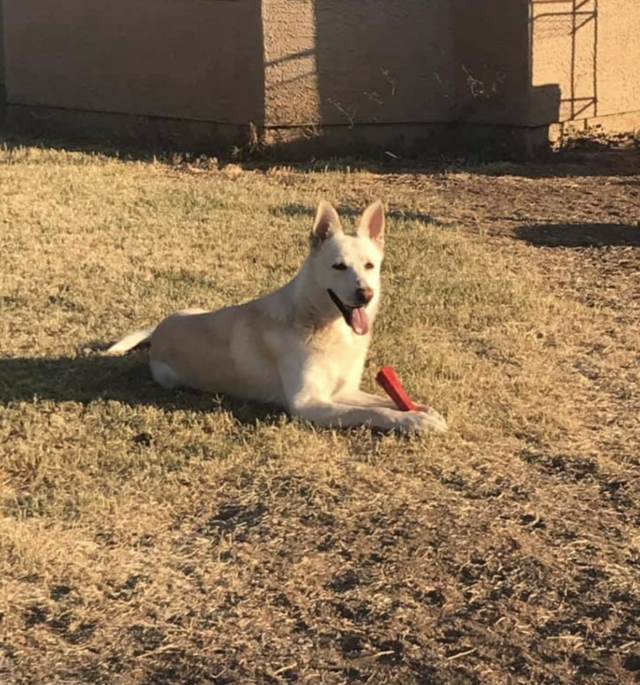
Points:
(347, 267)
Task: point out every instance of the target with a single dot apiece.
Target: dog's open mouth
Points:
(356, 317)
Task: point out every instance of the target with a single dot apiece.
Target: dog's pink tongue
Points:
(360, 321)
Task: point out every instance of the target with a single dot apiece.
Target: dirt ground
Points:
(156, 539)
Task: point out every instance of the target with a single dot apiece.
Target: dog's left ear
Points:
(372, 223)
(326, 224)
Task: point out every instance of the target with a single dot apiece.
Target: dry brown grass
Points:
(156, 537)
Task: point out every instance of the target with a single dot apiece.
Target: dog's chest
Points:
(336, 361)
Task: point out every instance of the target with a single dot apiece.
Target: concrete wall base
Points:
(408, 140)
(125, 129)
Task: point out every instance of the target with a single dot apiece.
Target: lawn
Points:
(155, 537)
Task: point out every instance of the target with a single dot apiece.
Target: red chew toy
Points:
(389, 381)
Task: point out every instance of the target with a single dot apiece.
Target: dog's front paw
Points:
(423, 421)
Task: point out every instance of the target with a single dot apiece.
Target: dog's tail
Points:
(130, 342)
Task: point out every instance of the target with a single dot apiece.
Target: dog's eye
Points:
(369, 266)
(340, 266)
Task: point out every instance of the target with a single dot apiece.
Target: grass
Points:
(150, 537)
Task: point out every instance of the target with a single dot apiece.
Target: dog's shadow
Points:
(91, 377)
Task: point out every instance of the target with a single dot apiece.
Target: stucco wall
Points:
(291, 79)
(1, 54)
(590, 52)
(191, 59)
(291, 64)
(618, 56)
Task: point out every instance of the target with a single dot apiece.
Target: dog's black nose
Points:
(364, 295)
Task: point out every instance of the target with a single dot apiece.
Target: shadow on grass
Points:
(598, 161)
(580, 235)
(123, 379)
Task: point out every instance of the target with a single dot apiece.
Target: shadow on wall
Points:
(462, 66)
(178, 75)
(383, 62)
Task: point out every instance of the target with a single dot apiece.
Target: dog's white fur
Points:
(292, 347)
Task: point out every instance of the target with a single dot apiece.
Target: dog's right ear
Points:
(326, 224)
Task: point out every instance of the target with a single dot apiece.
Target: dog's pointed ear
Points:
(326, 224)
(372, 223)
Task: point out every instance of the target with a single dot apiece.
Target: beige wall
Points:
(291, 79)
(618, 57)
(358, 61)
(308, 63)
(591, 55)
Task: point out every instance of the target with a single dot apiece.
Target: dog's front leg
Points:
(359, 398)
(306, 396)
(329, 414)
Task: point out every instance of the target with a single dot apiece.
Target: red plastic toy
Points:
(389, 381)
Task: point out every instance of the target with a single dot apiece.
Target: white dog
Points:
(302, 347)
